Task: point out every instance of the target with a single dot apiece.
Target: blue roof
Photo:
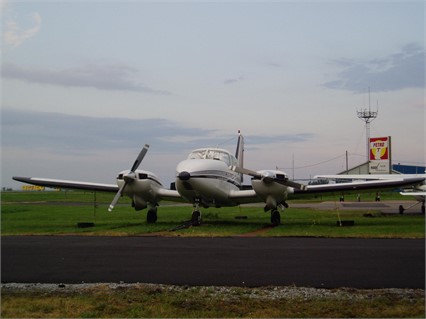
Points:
(409, 169)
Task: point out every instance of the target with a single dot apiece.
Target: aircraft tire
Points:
(401, 209)
(196, 218)
(151, 216)
(423, 209)
(275, 218)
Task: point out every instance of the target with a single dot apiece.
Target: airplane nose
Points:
(184, 176)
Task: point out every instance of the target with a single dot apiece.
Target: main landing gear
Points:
(275, 217)
(151, 216)
(402, 209)
(275, 214)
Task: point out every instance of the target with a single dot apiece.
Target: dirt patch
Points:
(257, 232)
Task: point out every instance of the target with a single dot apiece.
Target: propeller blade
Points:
(246, 171)
(116, 197)
(139, 159)
(130, 177)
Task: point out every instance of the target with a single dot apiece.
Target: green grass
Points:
(59, 213)
(209, 302)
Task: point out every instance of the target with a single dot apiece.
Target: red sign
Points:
(379, 148)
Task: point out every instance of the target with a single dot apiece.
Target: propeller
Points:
(129, 177)
(267, 179)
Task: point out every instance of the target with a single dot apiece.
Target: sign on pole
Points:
(380, 155)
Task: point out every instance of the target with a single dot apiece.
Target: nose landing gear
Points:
(196, 214)
(196, 218)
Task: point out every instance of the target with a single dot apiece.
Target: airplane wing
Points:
(356, 176)
(413, 193)
(169, 194)
(378, 184)
(272, 187)
(245, 196)
(250, 196)
(162, 193)
(371, 176)
(58, 183)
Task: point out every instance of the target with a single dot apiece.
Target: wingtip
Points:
(21, 179)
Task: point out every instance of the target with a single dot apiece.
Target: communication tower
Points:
(367, 116)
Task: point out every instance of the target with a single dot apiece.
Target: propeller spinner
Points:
(129, 177)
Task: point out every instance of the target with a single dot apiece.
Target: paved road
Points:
(314, 262)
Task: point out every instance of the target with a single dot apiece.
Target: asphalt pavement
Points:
(231, 261)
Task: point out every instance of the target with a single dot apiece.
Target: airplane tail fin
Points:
(239, 153)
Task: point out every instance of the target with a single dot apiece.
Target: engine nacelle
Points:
(139, 203)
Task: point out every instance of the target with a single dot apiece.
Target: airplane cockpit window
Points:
(199, 154)
(214, 154)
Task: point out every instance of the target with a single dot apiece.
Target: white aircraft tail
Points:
(239, 153)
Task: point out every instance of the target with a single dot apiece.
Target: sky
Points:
(85, 84)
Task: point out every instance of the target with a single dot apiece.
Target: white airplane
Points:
(418, 191)
(212, 177)
(419, 194)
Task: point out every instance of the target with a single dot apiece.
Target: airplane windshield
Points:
(213, 154)
(199, 154)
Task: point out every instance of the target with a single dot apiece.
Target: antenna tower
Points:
(367, 116)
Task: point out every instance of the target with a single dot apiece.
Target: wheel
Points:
(423, 209)
(151, 216)
(401, 209)
(275, 218)
(196, 218)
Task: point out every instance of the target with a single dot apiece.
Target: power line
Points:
(316, 164)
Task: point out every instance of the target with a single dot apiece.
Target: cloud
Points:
(400, 70)
(71, 134)
(114, 77)
(288, 138)
(81, 134)
(14, 36)
(2, 4)
(233, 80)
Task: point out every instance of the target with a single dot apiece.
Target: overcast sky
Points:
(85, 84)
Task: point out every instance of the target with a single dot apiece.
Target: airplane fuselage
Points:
(206, 178)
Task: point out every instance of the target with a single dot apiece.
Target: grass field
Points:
(157, 301)
(58, 213)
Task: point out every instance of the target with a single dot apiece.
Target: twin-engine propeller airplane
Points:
(213, 177)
